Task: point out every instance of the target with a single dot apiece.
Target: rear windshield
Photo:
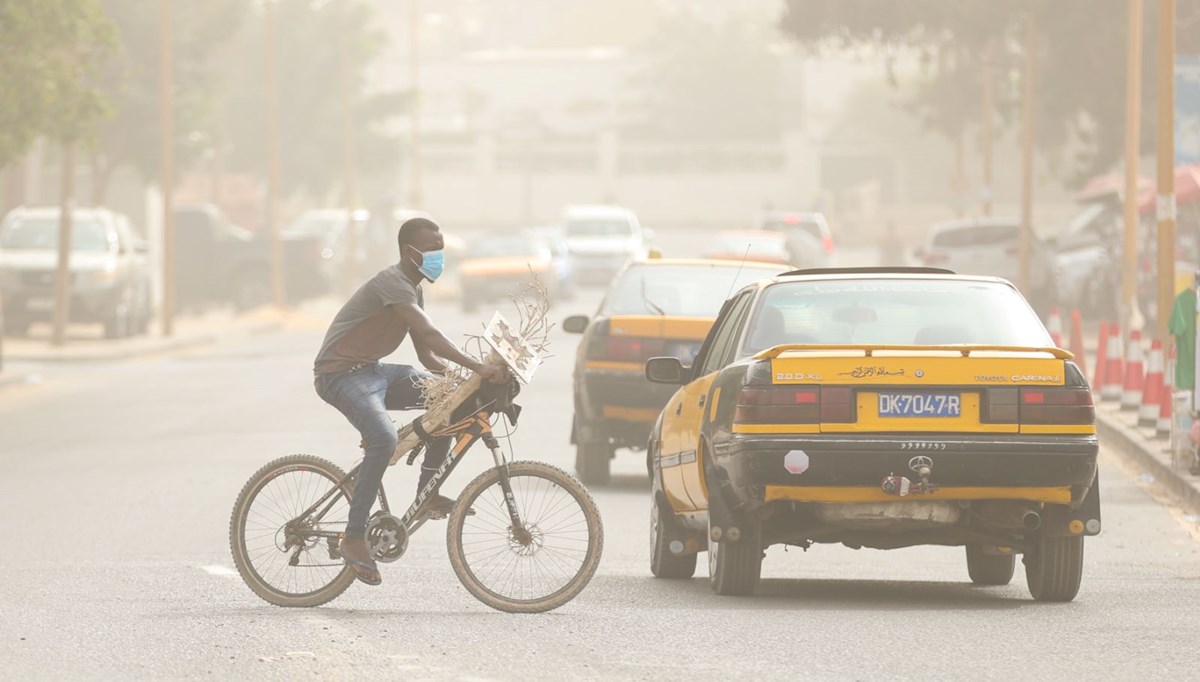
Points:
(894, 312)
(28, 234)
(754, 246)
(599, 227)
(505, 246)
(811, 228)
(683, 290)
(975, 235)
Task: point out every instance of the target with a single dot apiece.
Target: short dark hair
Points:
(411, 228)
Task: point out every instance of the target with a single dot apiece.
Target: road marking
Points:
(222, 571)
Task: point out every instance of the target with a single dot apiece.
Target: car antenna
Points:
(739, 271)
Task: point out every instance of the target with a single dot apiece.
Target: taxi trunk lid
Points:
(910, 389)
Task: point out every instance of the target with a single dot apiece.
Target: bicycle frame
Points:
(467, 432)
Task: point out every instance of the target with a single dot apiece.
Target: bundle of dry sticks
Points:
(445, 393)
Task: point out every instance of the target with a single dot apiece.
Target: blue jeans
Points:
(365, 395)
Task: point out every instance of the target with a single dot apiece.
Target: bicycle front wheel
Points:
(539, 570)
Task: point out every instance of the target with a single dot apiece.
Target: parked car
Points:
(331, 227)
(218, 262)
(654, 307)
(602, 239)
(751, 245)
(564, 263)
(991, 247)
(810, 241)
(499, 266)
(110, 271)
(1087, 265)
(879, 409)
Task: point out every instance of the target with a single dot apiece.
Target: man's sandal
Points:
(367, 573)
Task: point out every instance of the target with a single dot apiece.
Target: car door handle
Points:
(678, 409)
(703, 398)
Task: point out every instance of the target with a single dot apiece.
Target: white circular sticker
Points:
(796, 462)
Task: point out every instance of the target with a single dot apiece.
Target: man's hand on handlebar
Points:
(497, 374)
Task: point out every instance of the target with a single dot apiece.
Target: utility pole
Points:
(278, 293)
(1133, 122)
(414, 59)
(166, 113)
(62, 277)
(1028, 92)
(349, 154)
(1165, 202)
(986, 115)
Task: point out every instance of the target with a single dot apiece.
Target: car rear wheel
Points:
(990, 569)
(663, 562)
(734, 567)
(1055, 570)
(593, 462)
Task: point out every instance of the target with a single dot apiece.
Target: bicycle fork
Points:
(519, 532)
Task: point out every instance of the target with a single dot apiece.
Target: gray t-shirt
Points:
(366, 329)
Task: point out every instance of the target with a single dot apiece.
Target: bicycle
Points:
(523, 537)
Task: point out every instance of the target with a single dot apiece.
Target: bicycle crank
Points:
(387, 537)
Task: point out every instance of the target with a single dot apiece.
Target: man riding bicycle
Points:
(370, 326)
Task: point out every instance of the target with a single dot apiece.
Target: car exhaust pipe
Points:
(1031, 521)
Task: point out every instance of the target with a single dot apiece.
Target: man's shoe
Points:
(439, 507)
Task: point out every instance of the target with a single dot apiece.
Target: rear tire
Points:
(734, 567)
(664, 563)
(335, 582)
(1055, 570)
(990, 569)
(593, 462)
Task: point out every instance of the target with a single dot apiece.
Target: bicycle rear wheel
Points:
(554, 563)
(272, 548)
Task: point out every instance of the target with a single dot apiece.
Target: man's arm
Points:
(431, 342)
(429, 359)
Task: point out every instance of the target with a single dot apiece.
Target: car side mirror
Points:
(666, 370)
(575, 324)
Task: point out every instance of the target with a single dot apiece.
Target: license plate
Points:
(40, 305)
(920, 404)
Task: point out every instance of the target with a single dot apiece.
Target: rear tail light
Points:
(1050, 405)
(625, 348)
(827, 242)
(1067, 405)
(779, 405)
(935, 258)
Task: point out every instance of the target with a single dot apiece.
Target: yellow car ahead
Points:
(876, 408)
(654, 307)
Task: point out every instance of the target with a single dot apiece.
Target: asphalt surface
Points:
(118, 480)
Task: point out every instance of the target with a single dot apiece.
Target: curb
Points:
(1130, 444)
(113, 355)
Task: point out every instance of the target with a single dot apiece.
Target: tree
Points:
(310, 38)
(132, 136)
(50, 51)
(1080, 62)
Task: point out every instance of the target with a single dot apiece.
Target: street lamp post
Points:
(1028, 93)
(278, 293)
(1165, 203)
(167, 163)
(1133, 118)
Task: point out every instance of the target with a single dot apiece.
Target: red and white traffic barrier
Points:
(1055, 326)
(1165, 410)
(1077, 347)
(1114, 366)
(1101, 356)
(1153, 395)
(1135, 373)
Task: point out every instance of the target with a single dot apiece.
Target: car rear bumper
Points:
(86, 306)
(1052, 469)
(621, 404)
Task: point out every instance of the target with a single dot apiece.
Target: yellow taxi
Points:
(879, 408)
(654, 307)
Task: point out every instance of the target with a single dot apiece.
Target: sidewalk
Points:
(85, 344)
(1120, 431)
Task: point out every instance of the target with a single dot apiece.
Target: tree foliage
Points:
(132, 137)
(310, 39)
(1080, 61)
(50, 52)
